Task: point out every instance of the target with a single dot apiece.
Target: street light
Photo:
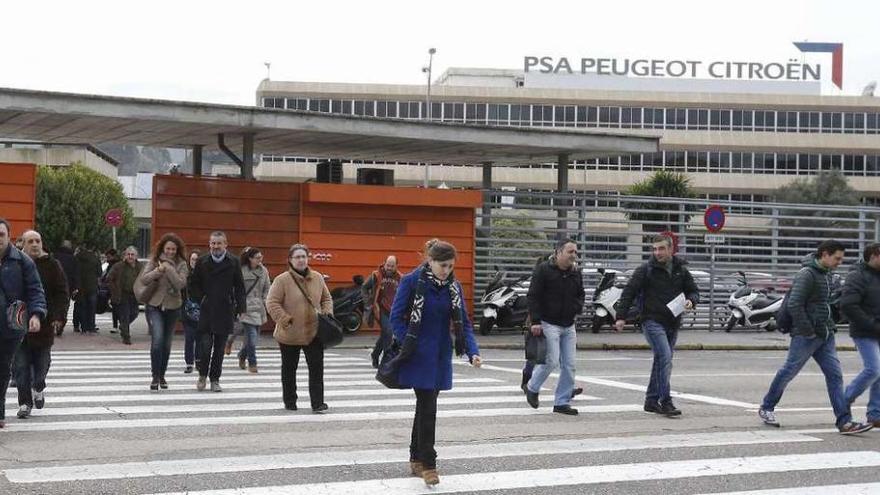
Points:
(427, 70)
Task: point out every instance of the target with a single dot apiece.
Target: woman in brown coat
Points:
(296, 325)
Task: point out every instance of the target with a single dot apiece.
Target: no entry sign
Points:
(114, 217)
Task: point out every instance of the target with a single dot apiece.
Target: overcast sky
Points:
(214, 51)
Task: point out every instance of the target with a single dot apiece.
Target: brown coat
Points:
(167, 294)
(296, 322)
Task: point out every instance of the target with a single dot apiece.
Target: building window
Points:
(743, 120)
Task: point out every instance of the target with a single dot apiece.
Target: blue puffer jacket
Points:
(431, 365)
(21, 282)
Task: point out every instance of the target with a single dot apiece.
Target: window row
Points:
(597, 116)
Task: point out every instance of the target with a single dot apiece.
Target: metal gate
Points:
(765, 240)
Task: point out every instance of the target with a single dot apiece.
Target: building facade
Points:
(739, 140)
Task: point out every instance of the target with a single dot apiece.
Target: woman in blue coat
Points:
(429, 304)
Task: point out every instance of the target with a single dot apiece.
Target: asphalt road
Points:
(103, 432)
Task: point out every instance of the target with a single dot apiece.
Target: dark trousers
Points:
(211, 354)
(31, 368)
(128, 311)
(191, 345)
(7, 355)
(385, 336)
(162, 321)
(290, 362)
(421, 446)
(84, 312)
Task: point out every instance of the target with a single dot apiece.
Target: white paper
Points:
(676, 306)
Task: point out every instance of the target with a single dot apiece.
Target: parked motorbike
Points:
(348, 304)
(503, 305)
(605, 299)
(752, 308)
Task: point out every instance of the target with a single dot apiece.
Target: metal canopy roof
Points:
(72, 118)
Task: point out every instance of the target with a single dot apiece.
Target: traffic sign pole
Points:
(114, 238)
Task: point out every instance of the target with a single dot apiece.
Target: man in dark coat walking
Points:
(64, 255)
(34, 355)
(87, 297)
(216, 282)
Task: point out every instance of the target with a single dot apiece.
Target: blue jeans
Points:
(249, 348)
(869, 378)
(31, 368)
(825, 354)
(162, 323)
(561, 348)
(662, 341)
(7, 356)
(190, 341)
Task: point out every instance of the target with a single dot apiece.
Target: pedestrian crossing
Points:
(109, 434)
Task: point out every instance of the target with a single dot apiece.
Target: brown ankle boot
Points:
(431, 477)
(252, 369)
(228, 349)
(416, 467)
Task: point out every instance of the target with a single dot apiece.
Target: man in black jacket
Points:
(665, 289)
(860, 303)
(64, 255)
(556, 297)
(218, 284)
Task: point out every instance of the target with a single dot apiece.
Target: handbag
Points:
(329, 329)
(16, 314)
(143, 292)
(536, 348)
(192, 310)
(387, 372)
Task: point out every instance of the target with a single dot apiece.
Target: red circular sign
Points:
(114, 217)
(714, 218)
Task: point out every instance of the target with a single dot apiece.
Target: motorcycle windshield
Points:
(743, 291)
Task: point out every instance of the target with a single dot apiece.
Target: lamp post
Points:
(427, 70)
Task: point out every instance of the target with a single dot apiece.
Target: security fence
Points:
(767, 241)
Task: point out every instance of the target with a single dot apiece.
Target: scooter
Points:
(348, 305)
(503, 305)
(752, 308)
(605, 299)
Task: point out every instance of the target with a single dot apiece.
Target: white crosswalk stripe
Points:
(105, 393)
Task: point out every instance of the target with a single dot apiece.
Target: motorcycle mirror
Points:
(600, 270)
(741, 273)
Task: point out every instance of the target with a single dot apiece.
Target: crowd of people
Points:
(218, 296)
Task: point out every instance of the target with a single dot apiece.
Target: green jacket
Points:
(809, 300)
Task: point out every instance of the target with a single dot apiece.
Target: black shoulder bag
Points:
(329, 329)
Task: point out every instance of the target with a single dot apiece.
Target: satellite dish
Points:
(869, 89)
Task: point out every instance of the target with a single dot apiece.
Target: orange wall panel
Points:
(18, 191)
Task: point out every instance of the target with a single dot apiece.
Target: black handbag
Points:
(536, 348)
(330, 332)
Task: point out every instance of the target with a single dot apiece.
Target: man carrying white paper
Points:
(662, 289)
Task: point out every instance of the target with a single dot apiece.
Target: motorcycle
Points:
(348, 305)
(752, 308)
(605, 299)
(503, 305)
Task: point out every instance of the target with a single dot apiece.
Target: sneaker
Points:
(188, 369)
(851, 428)
(39, 399)
(215, 387)
(768, 417)
(200, 385)
(652, 406)
(154, 385)
(566, 409)
(242, 362)
(668, 409)
(532, 398)
(24, 411)
(320, 409)
(577, 391)
(162, 383)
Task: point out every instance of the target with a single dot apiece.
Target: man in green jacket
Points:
(812, 335)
